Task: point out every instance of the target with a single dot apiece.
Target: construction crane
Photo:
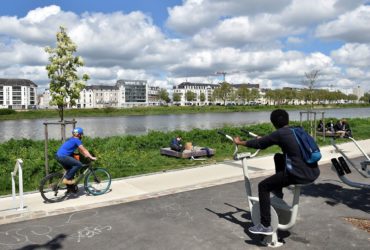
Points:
(224, 73)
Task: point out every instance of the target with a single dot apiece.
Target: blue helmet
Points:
(78, 131)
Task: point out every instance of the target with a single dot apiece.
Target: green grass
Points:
(134, 155)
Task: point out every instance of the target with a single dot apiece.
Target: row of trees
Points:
(243, 95)
(366, 98)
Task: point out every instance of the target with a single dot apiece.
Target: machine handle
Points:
(249, 133)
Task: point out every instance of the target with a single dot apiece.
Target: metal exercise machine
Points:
(340, 166)
(283, 215)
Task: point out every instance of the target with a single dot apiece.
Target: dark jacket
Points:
(176, 145)
(285, 139)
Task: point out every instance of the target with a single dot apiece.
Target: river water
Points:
(110, 126)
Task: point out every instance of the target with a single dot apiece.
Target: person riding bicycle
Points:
(290, 167)
(65, 157)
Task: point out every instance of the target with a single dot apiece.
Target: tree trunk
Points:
(61, 113)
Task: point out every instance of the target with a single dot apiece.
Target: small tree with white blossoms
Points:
(65, 84)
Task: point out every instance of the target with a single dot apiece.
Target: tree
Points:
(243, 94)
(223, 92)
(163, 95)
(310, 80)
(254, 94)
(202, 97)
(366, 98)
(176, 97)
(65, 84)
(190, 96)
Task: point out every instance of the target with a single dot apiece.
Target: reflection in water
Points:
(109, 126)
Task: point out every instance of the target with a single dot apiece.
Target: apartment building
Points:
(153, 95)
(198, 89)
(99, 96)
(125, 93)
(17, 94)
(133, 93)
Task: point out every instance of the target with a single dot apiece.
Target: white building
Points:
(17, 93)
(359, 92)
(99, 96)
(44, 100)
(153, 95)
(125, 93)
(198, 89)
(132, 93)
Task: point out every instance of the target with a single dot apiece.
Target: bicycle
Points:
(97, 181)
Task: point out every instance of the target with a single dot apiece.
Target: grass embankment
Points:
(134, 155)
(157, 110)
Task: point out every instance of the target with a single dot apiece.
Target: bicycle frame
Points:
(84, 173)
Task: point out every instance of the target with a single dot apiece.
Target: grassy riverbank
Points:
(158, 110)
(134, 155)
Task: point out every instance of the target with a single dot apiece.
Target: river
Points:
(122, 125)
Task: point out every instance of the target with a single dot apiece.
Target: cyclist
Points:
(64, 155)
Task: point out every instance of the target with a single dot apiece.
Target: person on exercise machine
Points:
(290, 167)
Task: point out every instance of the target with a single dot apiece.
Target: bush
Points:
(7, 111)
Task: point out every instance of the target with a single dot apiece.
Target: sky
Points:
(273, 43)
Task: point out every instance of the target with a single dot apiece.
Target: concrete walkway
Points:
(155, 185)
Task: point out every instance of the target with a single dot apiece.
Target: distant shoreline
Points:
(160, 110)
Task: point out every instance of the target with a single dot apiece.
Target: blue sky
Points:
(157, 9)
(269, 42)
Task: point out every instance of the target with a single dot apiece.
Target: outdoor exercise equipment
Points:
(340, 166)
(283, 215)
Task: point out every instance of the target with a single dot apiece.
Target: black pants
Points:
(176, 147)
(276, 183)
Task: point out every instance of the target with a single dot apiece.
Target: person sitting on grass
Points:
(176, 144)
(346, 128)
(290, 167)
(65, 157)
(321, 127)
(339, 130)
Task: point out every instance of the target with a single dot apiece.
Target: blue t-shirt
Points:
(69, 147)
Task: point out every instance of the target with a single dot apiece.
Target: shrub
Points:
(7, 111)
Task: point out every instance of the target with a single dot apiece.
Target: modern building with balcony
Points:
(133, 93)
(17, 94)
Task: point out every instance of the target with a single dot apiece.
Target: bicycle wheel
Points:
(52, 189)
(97, 181)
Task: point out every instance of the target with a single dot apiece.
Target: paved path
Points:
(154, 185)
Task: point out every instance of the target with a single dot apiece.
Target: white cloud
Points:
(294, 40)
(194, 15)
(355, 73)
(39, 26)
(41, 14)
(216, 35)
(19, 53)
(351, 26)
(353, 54)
